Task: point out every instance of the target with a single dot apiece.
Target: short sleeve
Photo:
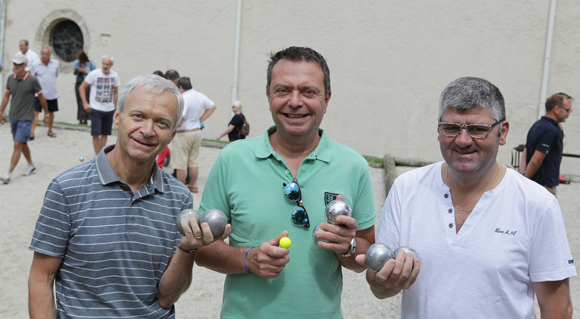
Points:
(53, 227)
(388, 231)
(236, 120)
(363, 208)
(546, 140)
(550, 256)
(90, 78)
(37, 87)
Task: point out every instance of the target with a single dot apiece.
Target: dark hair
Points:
(184, 83)
(172, 75)
(298, 54)
(82, 56)
(557, 100)
(159, 73)
(25, 41)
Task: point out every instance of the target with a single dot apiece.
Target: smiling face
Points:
(297, 98)
(466, 155)
(146, 125)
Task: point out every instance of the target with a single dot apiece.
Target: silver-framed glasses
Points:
(450, 129)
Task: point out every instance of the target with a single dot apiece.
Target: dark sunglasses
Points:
(299, 215)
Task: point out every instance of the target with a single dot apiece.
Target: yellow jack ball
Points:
(285, 242)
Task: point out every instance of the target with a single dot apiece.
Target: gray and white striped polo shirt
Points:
(115, 244)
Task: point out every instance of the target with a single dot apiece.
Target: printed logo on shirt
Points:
(571, 262)
(329, 197)
(506, 232)
(105, 89)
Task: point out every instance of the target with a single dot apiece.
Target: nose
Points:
(295, 100)
(463, 139)
(147, 128)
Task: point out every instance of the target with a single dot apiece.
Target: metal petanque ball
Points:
(377, 255)
(216, 219)
(81, 158)
(185, 214)
(407, 250)
(316, 239)
(336, 208)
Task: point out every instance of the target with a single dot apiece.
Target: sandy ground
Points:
(21, 200)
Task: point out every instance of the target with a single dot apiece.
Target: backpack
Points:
(245, 131)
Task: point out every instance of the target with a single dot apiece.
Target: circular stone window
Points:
(66, 38)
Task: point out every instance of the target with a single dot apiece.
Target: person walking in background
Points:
(46, 71)
(30, 55)
(545, 143)
(104, 84)
(188, 139)
(234, 130)
(82, 67)
(22, 86)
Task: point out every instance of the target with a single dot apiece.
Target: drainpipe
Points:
(546, 74)
(2, 16)
(237, 52)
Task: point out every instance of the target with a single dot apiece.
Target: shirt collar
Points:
(107, 174)
(322, 152)
(551, 120)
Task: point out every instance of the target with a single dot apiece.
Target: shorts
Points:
(21, 130)
(185, 149)
(52, 105)
(101, 122)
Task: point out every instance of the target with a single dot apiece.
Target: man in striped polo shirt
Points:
(106, 236)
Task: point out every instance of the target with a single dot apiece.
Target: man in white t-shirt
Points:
(487, 238)
(104, 84)
(187, 141)
(29, 54)
(46, 71)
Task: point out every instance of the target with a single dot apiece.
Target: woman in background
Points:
(82, 67)
(235, 126)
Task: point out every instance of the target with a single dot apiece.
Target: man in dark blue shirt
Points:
(544, 144)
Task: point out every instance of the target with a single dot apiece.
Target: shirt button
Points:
(287, 172)
(450, 225)
(450, 211)
(446, 195)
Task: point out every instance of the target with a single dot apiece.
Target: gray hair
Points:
(468, 93)
(110, 57)
(46, 47)
(152, 83)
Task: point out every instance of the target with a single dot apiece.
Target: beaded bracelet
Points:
(246, 254)
(187, 251)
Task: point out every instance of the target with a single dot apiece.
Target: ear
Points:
(504, 132)
(116, 120)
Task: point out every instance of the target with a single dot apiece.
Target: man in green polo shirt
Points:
(22, 86)
(248, 182)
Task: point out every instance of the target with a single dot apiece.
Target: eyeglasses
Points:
(473, 130)
(299, 215)
(565, 109)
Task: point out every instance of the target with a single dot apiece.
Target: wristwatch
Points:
(351, 250)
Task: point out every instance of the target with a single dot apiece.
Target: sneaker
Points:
(6, 178)
(29, 170)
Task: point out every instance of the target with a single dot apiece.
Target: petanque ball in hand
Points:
(377, 255)
(316, 239)
(216, 219)
(334, 209)
(407, 250)
(185, 214)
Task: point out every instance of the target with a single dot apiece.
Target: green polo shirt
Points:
(22, 92)
(246, 183)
